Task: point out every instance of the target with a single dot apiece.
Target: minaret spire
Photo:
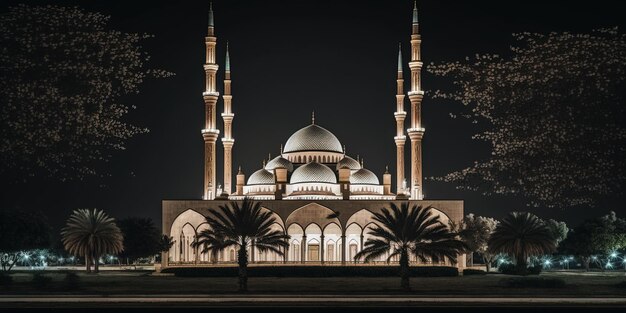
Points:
(228, 141)
(416, 94)
(211, 23)
(210, 96)
(400, 115)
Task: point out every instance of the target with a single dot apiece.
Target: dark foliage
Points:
(469, 271)
(315, 271)
(552, 110)
(410, 230)
(240, 224)
(64, 80)
(141, 238)
(21, 231)
(598, 236)
(522, 235)
(512, 269)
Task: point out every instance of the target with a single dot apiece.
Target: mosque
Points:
(320, 196)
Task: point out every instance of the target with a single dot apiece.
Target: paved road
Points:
(294, 300)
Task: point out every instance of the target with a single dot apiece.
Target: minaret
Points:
(228, 141)
(416, 132)
(210, 95)
(400, 115)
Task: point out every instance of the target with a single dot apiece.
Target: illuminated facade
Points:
(312, 180)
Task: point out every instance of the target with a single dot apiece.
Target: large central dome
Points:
(313, 138)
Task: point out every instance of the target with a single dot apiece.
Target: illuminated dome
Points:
(364, 177)
(261, 177)
(349, 163)
(313, 173)
(279, 162)
(313, 138)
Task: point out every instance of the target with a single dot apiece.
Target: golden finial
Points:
(313, 118)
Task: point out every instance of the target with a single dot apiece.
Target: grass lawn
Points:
(134, 283)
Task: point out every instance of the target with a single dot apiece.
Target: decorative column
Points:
(303, 249)
(400, 115)
(322, 248)
(416, 132)
(210, 95)
(286, 254)
(227, 141)
(343, 249)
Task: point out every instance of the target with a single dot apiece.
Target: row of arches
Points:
(313, 158)
(314, 238)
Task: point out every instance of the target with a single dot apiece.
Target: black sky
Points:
(292, 57)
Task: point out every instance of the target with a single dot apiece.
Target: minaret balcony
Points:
(416, 130)
(228, 116)
(416, 92)
(211, 67)
(210, 134)
(399, 114)
(228, 142)
(399, 138)
(211, 93)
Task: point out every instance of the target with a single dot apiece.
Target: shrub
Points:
(511, 269)
(507, 268)
(533, 282)
(313, 271)
(40, 280)
(470, 271)
(5, 279)
(71, 280)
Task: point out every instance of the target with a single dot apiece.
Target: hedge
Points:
(313, 271)
(471, 271)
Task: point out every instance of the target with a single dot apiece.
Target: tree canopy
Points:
(475, 232)
(553, 112)
(20, 231)
(63, 78)
(141, 238)
(596, 237)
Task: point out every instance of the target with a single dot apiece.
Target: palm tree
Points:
(522, 235)
(211, 242)
(165, 243)
(404, 231)
(91, 233)
(242, 224)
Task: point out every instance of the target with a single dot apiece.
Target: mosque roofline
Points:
(316, 200)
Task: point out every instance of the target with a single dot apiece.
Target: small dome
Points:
(349, 163)
(279, 162)
(364, 177)
(261, 177)
(313, 138)
(313, 173)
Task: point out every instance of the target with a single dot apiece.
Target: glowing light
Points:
(613, 255)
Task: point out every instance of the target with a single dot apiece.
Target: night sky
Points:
(289, 58)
